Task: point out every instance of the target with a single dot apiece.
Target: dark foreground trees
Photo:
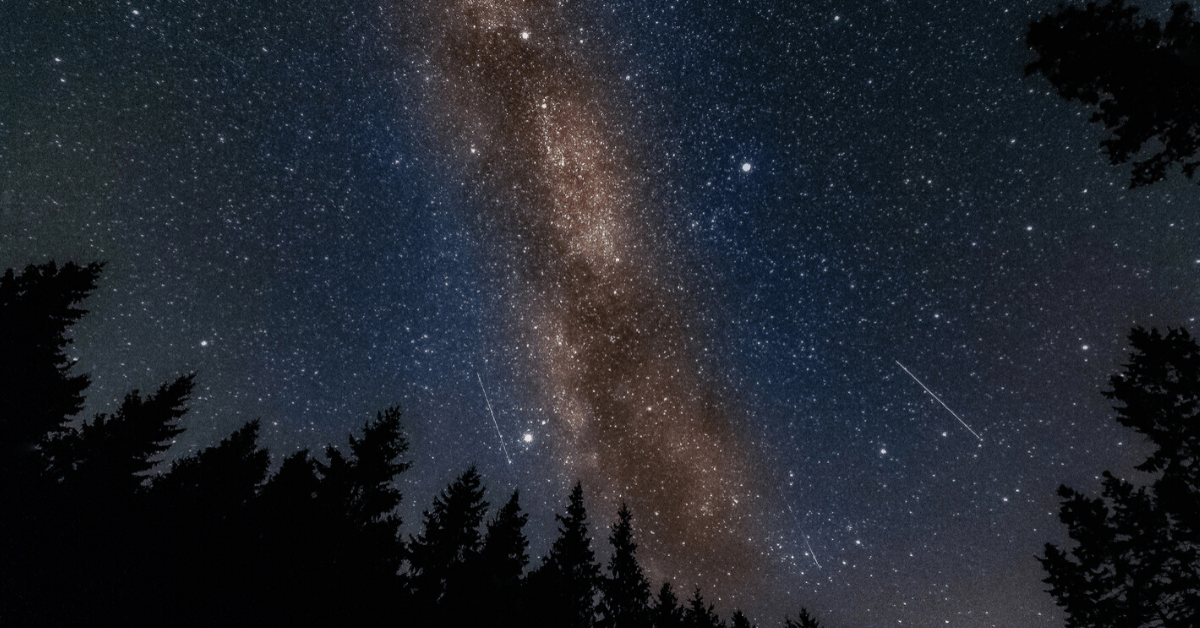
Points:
(94, 531)
(1142, 77)
(91, 537)
(1135, 562)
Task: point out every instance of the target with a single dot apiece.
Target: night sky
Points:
(684, 248)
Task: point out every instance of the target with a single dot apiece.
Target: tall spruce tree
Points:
(566, 583)
(206, 546)
(501, 565)
(361, 489)
(443, 555)
(739, 620)
(699, 615)
(38, 391)
(626, 591)
(505, 548)
(109, 458)
(666, 612)
(1136, 561)
(803, 620)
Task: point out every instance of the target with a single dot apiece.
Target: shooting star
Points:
(805, 537)
(964, 423)
(811, 552)
(489, 405)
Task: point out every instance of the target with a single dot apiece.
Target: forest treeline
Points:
(96, 533)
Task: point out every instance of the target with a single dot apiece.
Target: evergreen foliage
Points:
(112, 455)
(1135, 561)
(448, 548)
(626, 591)
(803, 620)
(502, 563)
(38, 392)
(567, 581)
(739, 620)
(1142, 78)
(99, 533)
(666, 612)
(698, 615)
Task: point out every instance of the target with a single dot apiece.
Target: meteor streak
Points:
(812, 553)
(939, 400)
(489, 405)
(804, 536)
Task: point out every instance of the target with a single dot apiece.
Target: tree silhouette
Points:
(698, 615)
(501, 565)
(739, 620)
(803, 620)
(361, 494)
(203, 529)
(566, 583)
(92, 536)
(666, 613)
(1136, 559)
(1143, 79)
(38, 393)
(329, 534)
(626, 591)
(448, 547)
(109, 458)
(87, 542)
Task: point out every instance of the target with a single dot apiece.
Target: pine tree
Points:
(566, 583)
(697, 615)
(626, 591)
(739, 620)
(365, 482)
(803, 620)
(330, 532)
(1137, 550)
(290, 516)
(204, 544)
(501, 565)
(38, 392)
(505, 554)
(666, 612)
(447, 549)
(109, 458)
(359, 492)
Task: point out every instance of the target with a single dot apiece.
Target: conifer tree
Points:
(38, 392)
(566, 583)
(108, 459)
(666, 612)
(505, 554)
(803, 620)
(360, 494)
(448, 546)
(202, 538)
(626, 591)
(739, 620)
(501, 565)
(697, 615)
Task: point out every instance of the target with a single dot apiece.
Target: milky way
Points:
(607, 328)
